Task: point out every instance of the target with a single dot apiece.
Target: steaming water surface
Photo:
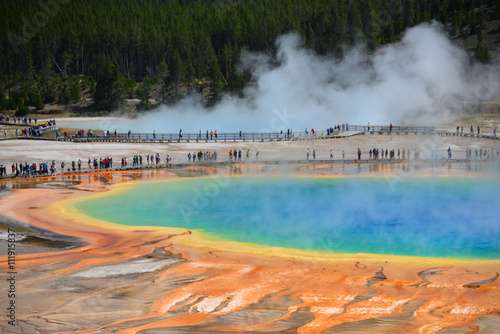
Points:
(443, 217)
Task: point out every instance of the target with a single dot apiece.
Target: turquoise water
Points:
(436, 217)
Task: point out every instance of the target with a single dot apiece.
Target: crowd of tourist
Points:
(460, 130)
(405, 154)
(18, 120)
(201, 156)
(374, 154)
(33, 129)
(19, 169)
(236, 155)
(95, 164)
(480, 154)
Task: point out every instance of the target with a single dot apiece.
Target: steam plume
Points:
(421, 80)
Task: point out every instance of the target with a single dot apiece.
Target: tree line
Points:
(51, 50)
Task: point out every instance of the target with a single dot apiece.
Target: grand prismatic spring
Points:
(431, 217)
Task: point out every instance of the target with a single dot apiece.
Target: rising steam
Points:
(421, 80)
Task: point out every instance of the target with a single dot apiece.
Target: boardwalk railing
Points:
(395, 129)
(11, 122)
(47, 129)
(41, 130)
(225, 136)
(243, 136)
(352, 130)
(221, 137)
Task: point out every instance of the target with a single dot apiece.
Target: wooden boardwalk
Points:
(190, 138)
(231, 136)
(49, 133)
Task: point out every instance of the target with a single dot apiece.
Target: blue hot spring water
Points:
(453, 217)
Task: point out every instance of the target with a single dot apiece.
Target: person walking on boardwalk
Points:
(331, 154)
(180, 134)
(314, 154)
(368, 126)
(359, 154)
(307, 154)
(449, 152)
(478, 130)
(154, 134)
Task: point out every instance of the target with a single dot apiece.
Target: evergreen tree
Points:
(482, 53)
(354, 23)
(64, 94)
(75, 94)
(48, 94)
(162, 73)
(15, 101)
(3, 100)
(108, 93)
(39, 103)
(215, 83)
(128, 88)
(144, 93)
(408, 13)
(177, 72)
